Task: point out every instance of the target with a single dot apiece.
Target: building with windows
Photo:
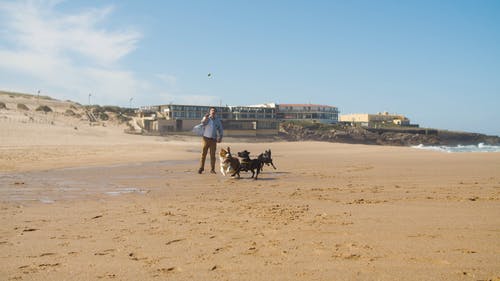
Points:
(236, 120)
(376, 120)
(308, 112)
(254, 120)
(252, 112)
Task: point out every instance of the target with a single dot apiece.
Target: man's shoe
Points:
(200, 171)
(213, 172)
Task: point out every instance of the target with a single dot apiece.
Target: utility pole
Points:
(130, 101)
(89, 99)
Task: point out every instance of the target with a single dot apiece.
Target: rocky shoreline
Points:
(386, 136)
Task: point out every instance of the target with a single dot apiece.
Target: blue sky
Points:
(438, 62)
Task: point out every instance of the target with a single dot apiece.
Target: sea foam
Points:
(481, 147)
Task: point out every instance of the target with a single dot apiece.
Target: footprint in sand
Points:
(105, 252)
(48, 265)
(133, 256)
(350, 251)
(107, 275)
(175, 241)
(168, 269)
(221, 249)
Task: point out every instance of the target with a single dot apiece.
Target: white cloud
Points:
(41, 28)
(71, 54)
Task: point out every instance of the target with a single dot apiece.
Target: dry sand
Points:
(93, 203)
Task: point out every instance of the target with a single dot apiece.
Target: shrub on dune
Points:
(69, 112)
(44, 108)
(22, 106)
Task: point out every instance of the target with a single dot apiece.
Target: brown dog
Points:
(228, 163)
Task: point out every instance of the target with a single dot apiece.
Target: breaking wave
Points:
(481, 147)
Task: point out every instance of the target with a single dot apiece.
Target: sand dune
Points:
(97, 204)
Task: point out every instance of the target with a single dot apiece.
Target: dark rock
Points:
(384, 136)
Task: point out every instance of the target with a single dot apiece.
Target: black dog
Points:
(247, 164)
(265, 158)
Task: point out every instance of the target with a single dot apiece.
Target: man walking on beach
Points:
(212, 126)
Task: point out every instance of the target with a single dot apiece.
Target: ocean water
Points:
(481, 147)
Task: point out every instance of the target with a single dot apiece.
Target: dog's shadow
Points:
(235, 179)
(259, 179)
(272, 172)
(265, 179)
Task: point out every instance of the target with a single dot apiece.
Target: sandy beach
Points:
(94, 203)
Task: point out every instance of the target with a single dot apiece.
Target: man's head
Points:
(212, 111)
